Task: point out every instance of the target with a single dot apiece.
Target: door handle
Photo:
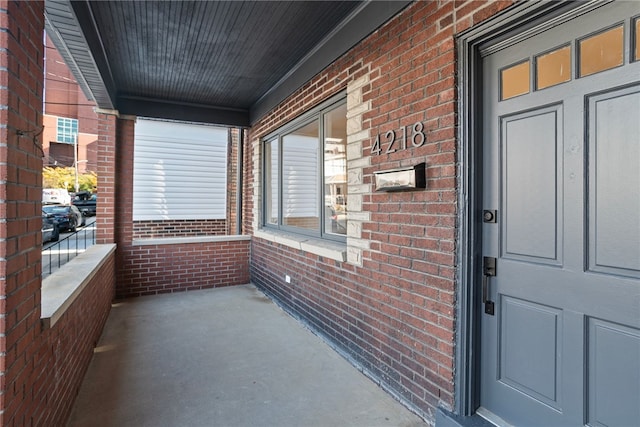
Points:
(485, 288)
(488, 270)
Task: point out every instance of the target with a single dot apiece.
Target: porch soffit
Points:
(222, 62)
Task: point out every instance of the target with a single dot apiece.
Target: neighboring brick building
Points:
(67, 111)
(504, 291)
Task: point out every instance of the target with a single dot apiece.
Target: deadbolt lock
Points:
(490, 216)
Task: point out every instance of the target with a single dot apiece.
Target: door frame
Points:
(520, 21)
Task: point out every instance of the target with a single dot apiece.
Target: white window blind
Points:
(300, 176)
(180, 171)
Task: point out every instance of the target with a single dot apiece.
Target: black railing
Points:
(56, 255)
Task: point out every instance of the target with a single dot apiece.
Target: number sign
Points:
(389, 143)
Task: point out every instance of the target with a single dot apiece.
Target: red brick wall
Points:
(105, 208)
(179, 228)
(394, 314)
(63, 96)
(232, 180)
(41, 370)
(64, 352)
(21, 73)
(158, 269)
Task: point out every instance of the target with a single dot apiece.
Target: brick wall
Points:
(63, 96)
(391, 306)
(41, 370)
(64, 352)
(179, 228)
(158, 269)
(105, 208)
(21, 71)
(232, 180)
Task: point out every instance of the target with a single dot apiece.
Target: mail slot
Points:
(402, 179)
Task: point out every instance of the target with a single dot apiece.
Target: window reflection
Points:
(300, 189)
(335, 170)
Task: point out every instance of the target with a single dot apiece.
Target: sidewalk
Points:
(223, 357)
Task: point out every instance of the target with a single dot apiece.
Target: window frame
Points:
(67, 123)
(316, 114)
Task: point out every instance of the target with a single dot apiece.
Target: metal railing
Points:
(56, 255)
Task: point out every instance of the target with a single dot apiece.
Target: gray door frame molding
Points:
(514, 24)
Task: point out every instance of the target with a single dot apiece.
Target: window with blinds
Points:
(180, 171)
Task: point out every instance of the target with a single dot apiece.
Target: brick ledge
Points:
(60, 289)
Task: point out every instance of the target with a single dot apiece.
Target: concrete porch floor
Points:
(223, 357)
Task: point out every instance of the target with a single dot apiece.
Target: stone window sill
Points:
(333, 250)
(60, 289)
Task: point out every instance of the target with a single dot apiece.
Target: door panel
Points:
(531, 193)
(561, 165)
(529, 328)
(614, 374)
(614, 230)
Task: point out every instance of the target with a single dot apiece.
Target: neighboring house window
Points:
(67, 130)
(305, 169)
(179, 171)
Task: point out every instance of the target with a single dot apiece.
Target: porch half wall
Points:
(390, 306)
(163, 260)
(65, 350)
(175, 266)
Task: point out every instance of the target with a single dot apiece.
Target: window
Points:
(602, 51)
(305, 170)
(514, 80)
(67, 130)
(553, 68)
(179, 171)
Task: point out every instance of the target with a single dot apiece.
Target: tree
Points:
(65, 178)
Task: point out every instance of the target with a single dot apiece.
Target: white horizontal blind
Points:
(300, 176)
(180, 171)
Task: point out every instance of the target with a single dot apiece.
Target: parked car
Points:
(68, 216)
(86, 203)
(50, 230)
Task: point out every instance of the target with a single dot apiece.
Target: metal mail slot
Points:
(409, 178)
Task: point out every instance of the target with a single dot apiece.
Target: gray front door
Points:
(561, 161)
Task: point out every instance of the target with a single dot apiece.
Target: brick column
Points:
(232, 180)
(123, 208)
(21, 83)
(105, 210)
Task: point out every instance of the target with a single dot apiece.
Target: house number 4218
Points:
(390, 143)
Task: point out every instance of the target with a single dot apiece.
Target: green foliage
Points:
(65, 178)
